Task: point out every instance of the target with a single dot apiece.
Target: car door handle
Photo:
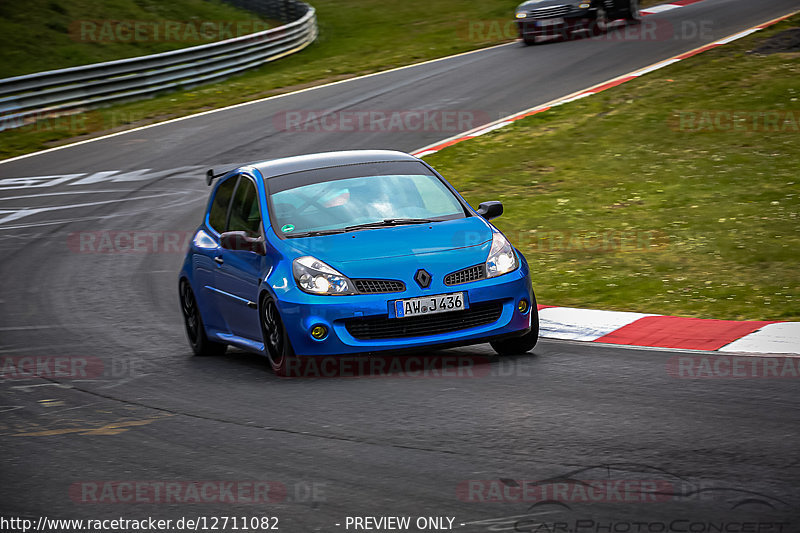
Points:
(219, 260)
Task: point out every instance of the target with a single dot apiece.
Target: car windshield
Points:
(356, 203)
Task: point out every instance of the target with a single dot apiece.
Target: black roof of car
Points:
(278, 167)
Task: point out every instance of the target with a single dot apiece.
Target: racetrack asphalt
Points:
(383, 445)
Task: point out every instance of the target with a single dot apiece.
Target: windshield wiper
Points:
(386, 222)
(390, 222)
(315, 233)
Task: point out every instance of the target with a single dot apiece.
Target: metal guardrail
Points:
(69, 90)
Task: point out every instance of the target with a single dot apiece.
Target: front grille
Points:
(421, 326)
(549, 12)
(466, 275)
(378, 286)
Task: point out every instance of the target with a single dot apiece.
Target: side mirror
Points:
(490, 210)
(210, 176)
(239, 240)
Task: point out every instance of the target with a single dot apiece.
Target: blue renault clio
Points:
(356, 252)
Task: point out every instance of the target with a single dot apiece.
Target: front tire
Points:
(632, 13)
(524, 344)
(277, 347)
(195, 331)
(601, 22)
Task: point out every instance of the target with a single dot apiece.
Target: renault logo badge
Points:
(423, 279)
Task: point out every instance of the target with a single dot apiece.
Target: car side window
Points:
(218, 216)
(245, 214)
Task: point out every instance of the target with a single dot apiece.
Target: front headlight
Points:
(315, 277)
(521, 15)
(502, 258)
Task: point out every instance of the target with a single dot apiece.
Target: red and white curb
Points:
(679, 333)
(637, 329)
(666, 7)
(503, 122)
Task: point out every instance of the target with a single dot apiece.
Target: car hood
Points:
(397, 241)
(533, 4)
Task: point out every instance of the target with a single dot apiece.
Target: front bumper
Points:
(582, 20)
(302, 312)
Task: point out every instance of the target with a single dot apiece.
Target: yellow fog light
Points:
(523, 306)
(319, 332)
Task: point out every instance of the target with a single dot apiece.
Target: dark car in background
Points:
(539, 20)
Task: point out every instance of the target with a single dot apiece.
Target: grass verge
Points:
(356, 37)
(647, 198)
(37, 35)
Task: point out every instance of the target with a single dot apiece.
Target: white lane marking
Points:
(778, 338)
(582, 324)
(573, 99)
(655, 67)
(69, 193)
(7, 408)
(12, 215)
(659, 9)
(97, 177)
(182, 201)
(738, 36)
(36, 181)
(28, 211)
(106, 176)
(243, 104)
(484, 131)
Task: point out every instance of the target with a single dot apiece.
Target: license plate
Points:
(429, 305)
(549, 22)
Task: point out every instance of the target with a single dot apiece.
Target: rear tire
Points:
(195, 331)
(524, 344)
(277, 347)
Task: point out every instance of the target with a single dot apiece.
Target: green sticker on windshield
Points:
(287, 228)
